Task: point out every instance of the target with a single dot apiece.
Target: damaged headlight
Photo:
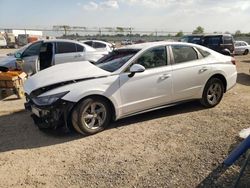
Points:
(48, 100)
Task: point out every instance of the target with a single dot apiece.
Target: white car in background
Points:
(45, 53)
(128, 81)
(100, 45)
(241, 48)
(3, 42)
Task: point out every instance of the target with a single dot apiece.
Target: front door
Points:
(148, 89)
(30, 58)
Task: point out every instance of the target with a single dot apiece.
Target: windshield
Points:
(20, 50)
(116, 59)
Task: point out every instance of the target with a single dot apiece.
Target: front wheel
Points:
(91, 116)
(212, 93)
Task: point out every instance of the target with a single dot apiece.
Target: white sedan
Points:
(241, 48)
(99, 45)
(128, 81)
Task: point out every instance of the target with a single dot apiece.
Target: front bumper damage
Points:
(53, 116)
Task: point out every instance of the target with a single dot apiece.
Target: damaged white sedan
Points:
(128, 81)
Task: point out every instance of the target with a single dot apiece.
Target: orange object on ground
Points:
(13, 80)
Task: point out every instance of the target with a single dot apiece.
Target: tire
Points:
(246, 52)
(91, 116)
(212, 93)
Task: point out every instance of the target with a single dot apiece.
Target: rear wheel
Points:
(91, 116)
(213, 93)
(246, 52)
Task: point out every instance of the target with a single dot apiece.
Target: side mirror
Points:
(136, 68)
(18, 55)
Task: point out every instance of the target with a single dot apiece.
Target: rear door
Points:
(68, 52)
(213, 42)
(228, 43)
(190, 71)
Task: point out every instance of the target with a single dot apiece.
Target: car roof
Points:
(89, 48)
(154, 44)
(240, 41)
(101, 41)
(216, 34)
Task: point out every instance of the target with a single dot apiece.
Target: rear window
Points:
(99, 45)
(65, 47)
(228, 40)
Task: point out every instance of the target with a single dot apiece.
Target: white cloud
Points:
(91, 6)
(108, 4)
(156, 3)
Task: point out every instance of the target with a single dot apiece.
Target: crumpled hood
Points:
(63, 73)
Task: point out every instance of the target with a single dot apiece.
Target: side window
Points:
(153, 58)
(213, 41)
(33, 49)
(204, 53)
(65, 47)
(90, 43)
(228, 40)
(99, 45)
(79, 48)
(243, 44)
(184, 54)
(237, 44)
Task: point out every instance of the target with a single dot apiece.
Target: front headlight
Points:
(48, 100)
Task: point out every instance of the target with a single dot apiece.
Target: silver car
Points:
(99, 45)
(241, 48)
(45, 53)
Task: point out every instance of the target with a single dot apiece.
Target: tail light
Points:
(233, 61)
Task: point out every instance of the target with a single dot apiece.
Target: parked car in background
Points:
(241, 48)
(126, 42)
(10, 60)
(130, 80)
(45, 53)
(3, 42)
(222, 43)
(100, 45)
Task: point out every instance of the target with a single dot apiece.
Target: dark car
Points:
(222, 43)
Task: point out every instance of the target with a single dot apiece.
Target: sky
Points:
(169, 15)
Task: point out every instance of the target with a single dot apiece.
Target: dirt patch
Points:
(181, 146)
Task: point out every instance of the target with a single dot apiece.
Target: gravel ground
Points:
(180, 146)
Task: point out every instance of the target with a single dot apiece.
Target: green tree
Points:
(198, 30)
(179, 34)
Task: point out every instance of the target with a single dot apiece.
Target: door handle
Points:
(78, 55)
(165, 76)
(203, 69)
